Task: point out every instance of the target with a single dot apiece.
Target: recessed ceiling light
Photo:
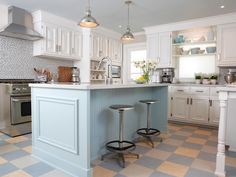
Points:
(222, 6)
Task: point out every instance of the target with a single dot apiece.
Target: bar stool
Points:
(148, 132)
(121, 147)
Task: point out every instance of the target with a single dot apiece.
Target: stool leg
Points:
(148, 116)
(121, 136)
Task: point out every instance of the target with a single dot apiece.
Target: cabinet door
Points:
(64, 41)
(95, 53)
(226, 45)
(199, 109)
(179, 107)
(76, 45)
(152, 46)
(115, 51)
(214, 111)
(164, 49)
(49, 44)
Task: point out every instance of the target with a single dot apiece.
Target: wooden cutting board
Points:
(64, 73)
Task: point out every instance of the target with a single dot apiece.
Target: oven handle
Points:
(21, 99)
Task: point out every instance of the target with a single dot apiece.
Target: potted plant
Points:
(213, 78)
(198, 78)
(205, 79)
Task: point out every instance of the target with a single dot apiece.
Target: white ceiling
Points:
(112, 13)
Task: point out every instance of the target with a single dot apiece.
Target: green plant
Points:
(214, 76)
(198, 76)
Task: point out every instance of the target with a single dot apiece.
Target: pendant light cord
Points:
(88, 7)
(128, 3)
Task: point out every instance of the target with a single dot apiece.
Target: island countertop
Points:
(69, 85)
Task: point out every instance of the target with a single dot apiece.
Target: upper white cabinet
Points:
(226, 44)
(106, 46)
(159, 48)
(58, 41)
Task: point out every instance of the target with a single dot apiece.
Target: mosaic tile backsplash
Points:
(17, 61)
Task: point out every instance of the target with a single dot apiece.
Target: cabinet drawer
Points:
(200, 90)
(180, 90)
(214, 92)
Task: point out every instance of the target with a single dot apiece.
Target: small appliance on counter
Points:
(75, 75)
(230, 77)
(167, 75)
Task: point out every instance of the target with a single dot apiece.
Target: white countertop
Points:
(227, 88)
(197, 85)
(65, 85)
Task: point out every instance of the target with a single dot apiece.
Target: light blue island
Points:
(71, 123)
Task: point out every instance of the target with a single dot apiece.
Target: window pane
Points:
(190, 65)
(136, 55)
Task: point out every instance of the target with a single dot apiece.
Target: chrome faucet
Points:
(108, 79)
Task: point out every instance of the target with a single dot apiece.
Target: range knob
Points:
(16, 89)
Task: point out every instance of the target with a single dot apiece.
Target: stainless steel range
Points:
(15, 107)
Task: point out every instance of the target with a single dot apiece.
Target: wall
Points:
(17, 61)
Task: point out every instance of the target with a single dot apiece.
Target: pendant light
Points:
(88, 21)
(128, 36)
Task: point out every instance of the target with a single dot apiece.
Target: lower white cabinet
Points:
(194, 104)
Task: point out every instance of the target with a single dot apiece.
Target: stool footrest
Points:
(148, 132)
(117, 145)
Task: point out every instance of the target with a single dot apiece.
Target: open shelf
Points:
(194, 55)
(95, 70)
(97, 79)
(194, 43)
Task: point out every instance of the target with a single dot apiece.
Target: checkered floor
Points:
(186, 151)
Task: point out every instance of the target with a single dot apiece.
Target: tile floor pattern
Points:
(186, 151)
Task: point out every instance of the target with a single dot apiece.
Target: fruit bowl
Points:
(140, 82)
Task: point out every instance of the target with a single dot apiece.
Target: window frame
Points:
(128, 48)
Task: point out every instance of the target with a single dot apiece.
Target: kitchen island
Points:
(71, 123)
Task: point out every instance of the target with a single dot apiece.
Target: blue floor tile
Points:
(198, 173)
(14, 155)
(7, 168)
(38, 169)
(149, 162)
(159, 174)
(181, 159)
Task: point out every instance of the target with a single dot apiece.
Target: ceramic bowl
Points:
(211, 49)
(195, 50)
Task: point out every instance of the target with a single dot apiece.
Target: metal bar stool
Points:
(148, 132)
(121, 147)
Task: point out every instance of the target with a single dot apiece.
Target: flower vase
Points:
(146, 76)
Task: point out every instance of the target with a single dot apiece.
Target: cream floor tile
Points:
(196, 140)
(134, 170)
(204, 165)
(209, 149)
(7, 148)
(203, 132)
(2, 161)
(187, 152)
(17, 139)
(28, 149)
(18, 173)
(231, 161)
(159, 154)
(102, 172)
(213, 138)
(173, 169)
(24, 161)
(55, 173)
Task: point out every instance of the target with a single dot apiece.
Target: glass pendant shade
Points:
(88, 21)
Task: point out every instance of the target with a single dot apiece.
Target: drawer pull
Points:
(199, 91)
(191, 101)
(187, 100)
(180, 90)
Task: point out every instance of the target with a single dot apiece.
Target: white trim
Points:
(126, 63)
(199, 22)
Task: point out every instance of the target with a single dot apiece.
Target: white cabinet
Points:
(159, 48)
(194, 104)
(58, 42)
(226, 44)
(103, 46)
(62, 38)
(199, 107)
(179, 107)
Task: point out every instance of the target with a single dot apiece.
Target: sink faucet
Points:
(108, 79)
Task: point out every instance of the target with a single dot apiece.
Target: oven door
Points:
(20, 109)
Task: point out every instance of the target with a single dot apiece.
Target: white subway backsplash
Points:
(17, 61)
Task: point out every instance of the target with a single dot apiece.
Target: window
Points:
(188, 66)
(136, 55)
(132, 53)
